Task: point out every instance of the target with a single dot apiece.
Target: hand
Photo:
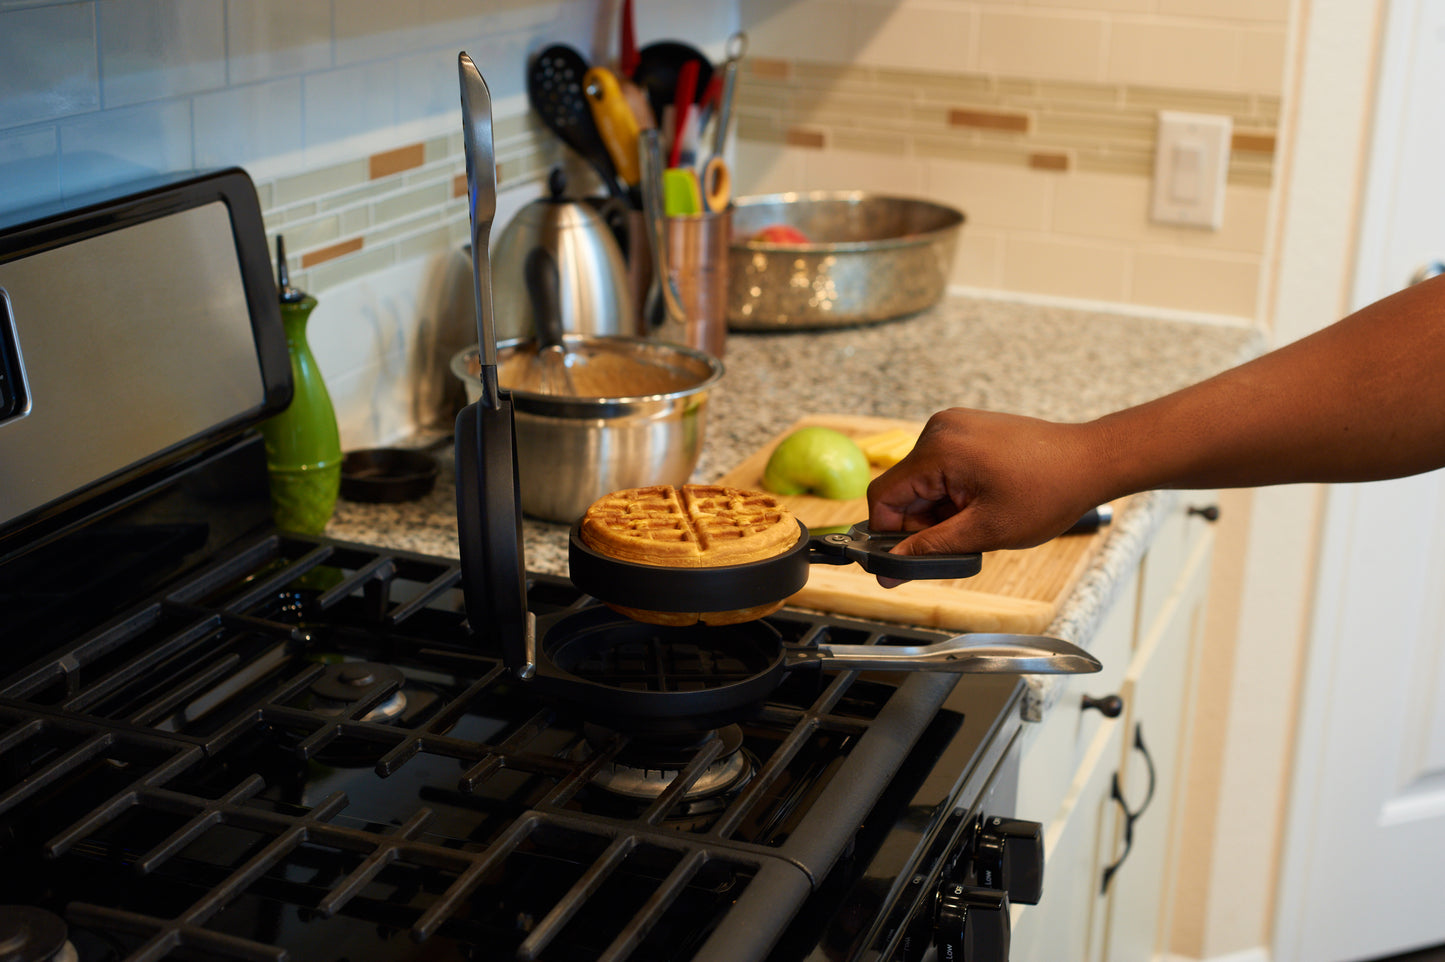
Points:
(980, 481)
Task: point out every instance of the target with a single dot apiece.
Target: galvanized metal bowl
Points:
(571, 450)
(871, 257)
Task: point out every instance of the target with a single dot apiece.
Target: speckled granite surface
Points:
(1050, 362)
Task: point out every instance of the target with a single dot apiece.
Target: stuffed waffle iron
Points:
(686, 576)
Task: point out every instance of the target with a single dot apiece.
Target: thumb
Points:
(951, 536)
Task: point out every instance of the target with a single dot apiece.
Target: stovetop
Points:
(299, 750)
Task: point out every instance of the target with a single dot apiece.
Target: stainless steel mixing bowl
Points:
(871, 257)
(648, 429)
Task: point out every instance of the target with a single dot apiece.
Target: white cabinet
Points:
(1105, 788)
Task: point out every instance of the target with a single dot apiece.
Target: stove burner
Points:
(29, 934)
(647, 765)
(346, 683)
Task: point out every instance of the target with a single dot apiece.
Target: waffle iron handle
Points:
(977, 653)
(870, 550)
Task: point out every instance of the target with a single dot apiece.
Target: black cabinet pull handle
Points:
(1210, 512)
(1110, 706)
(1130, 817)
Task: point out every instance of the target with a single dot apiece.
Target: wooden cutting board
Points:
(1017, 591)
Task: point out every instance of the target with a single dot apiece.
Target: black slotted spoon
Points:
(554, 88)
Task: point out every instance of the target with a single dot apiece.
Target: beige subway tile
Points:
(1262, 54)
(1099, 6)
(867, 141)
(1249, 175)
(386, 232)
(315, 183)
(509, 127)
(407, 203)
(355, 220)
(1064, 268)
(833, 107)
(1058, 94)
(992, 196)
(1153, 99)
(1196, 282)
(979, 261)
(936, 85)
(777, 30)
(1116, 207)
(839, 169)
(354, 196)
(437, 150)
(342, 269)
(811, 73)
(769, 168)
(266, 194)
(1116, 159)
(428, 242)
(315, 232)
(320, 256)
(1094, 127)
(1044, 45)
(913, 36)
(295, 212)
(1259, 11)
(1188, 55)
(752, 127)
(969, 147)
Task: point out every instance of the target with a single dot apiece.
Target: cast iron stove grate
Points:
(191, 777)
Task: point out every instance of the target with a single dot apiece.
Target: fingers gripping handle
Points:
(871, 551)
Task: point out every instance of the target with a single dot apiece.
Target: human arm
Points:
(1363, 399)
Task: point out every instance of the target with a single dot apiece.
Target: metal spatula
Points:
(489, 508)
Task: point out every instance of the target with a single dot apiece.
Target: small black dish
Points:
(387, 474)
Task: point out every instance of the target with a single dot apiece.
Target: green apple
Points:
(818, 460)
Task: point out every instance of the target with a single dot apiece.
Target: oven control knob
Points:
(971, 924)
(1008, 854)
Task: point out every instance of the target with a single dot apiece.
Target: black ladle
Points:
(658, 67)
(554, 89)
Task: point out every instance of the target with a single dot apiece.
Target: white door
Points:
(1364, 859)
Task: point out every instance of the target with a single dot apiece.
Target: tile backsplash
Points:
(1036, 119)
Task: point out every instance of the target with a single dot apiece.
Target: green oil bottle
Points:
(303, 445)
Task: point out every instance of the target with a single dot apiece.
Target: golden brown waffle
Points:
(697, 526)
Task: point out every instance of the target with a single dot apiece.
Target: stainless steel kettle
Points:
(593, 295)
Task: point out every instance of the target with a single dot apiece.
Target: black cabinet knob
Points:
(971, 924)
(1009, 855)
(1210, 512)
(1110, 706)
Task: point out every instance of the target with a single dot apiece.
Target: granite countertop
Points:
(1058, 363)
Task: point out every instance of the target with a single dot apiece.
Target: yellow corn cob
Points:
(887, 448)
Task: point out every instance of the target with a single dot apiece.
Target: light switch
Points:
(1191, 161)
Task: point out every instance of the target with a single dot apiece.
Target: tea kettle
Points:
(592, 295)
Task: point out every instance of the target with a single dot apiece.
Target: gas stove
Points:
(221, 740)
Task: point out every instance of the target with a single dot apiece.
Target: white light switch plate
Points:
(1190, 163)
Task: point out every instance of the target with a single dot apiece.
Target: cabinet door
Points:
(1158, 691)
(1067, 924)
